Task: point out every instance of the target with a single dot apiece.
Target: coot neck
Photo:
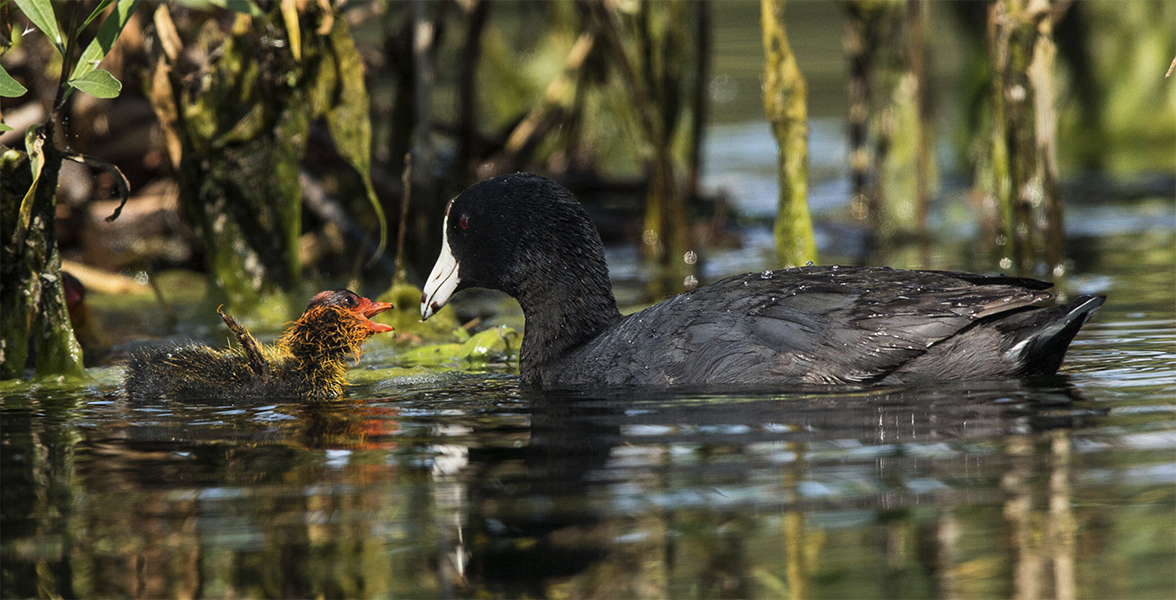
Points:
(563, 308)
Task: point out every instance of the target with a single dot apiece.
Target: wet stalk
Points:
(1024, 148)
(787, 111)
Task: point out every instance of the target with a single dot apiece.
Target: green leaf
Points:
(241, 6)
(102, 43)
(5, 127)
(97, 83)
(9, 87)
(40, 12)
(97, 11)
(349, 120)
(498, 343)
(34, 146)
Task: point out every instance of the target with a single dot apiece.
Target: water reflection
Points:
(689, 495)
(480, 489)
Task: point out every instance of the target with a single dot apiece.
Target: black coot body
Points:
(527, 236)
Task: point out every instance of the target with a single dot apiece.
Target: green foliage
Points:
(40, 12)
(84, 73)
(347, 110)
(9, 87)
(1117, 111)
(97, 83)
(33, 299)
(86, 76)
(243, 132)
(495, 344)
(102, 6)
(34, 145)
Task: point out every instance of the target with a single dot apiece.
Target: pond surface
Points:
(461, 484)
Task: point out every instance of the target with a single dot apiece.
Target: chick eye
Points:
(349, 301)
(463, 222)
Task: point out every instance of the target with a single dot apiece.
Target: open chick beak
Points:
(368, 309)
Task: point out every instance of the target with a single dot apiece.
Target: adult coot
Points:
(309, 360)
(527, 236)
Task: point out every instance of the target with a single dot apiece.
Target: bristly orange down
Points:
(308, 361)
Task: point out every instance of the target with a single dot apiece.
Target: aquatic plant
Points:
(237, 137)
(32, 296)
(787, 111)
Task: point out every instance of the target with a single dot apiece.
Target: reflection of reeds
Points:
(1043, 541)
(1062, 528)
(801, 549)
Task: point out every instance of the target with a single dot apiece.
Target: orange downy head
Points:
(334, 326)
(363, 309)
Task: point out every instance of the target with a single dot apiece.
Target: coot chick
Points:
(309, 360)
(527, 236)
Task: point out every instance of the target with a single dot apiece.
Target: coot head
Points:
(521, 234)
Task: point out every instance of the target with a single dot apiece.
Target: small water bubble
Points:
(690, 257)
(723, 89)
(1006, 263)
(690, 282)
(142, 278)
(808, 264)
(766, 275)
(835, 267)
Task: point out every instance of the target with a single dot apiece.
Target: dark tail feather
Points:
(1043, 349)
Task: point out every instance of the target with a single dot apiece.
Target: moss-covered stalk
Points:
(1024, 147)
(888, 114)
(238, 166)
(663, 49)
(658, 83)
(238, 138)
(787, 111)
(33, 312)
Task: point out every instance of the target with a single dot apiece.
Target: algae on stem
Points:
(34, 317)
(786, 108)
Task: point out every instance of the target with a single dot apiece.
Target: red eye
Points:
(463, 222)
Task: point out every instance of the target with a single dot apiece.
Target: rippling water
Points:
(460, 484)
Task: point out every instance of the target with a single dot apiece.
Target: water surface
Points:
(461, 484)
